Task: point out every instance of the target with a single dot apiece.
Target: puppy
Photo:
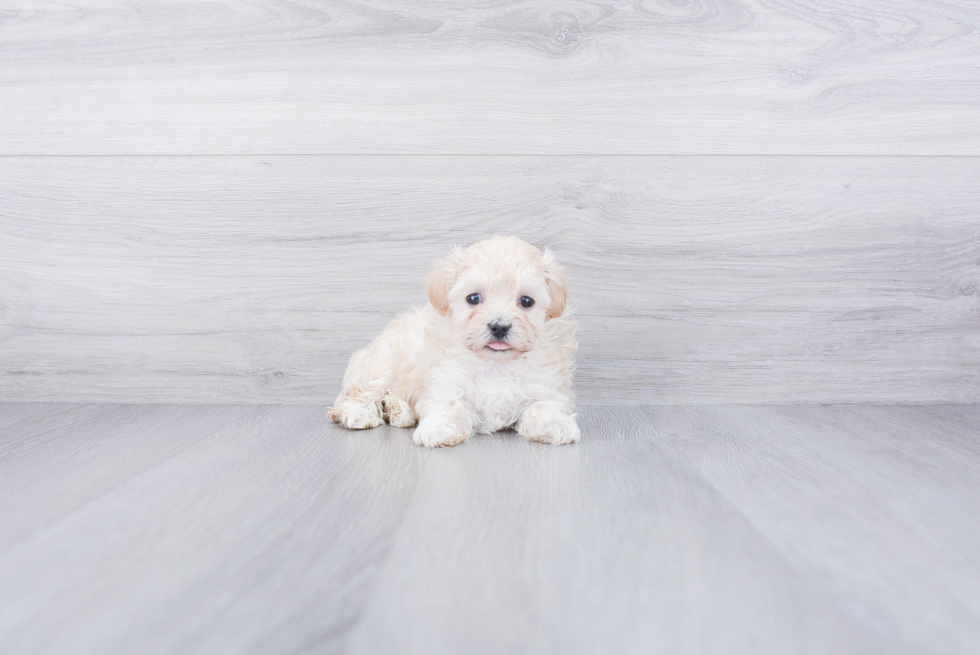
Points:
(492, 350)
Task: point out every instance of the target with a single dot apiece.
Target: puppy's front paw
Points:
(398, 412)
(546, 422)
(435, 432)
(356, 416)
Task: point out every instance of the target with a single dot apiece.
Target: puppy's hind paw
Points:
(545, 423)
(356, 416)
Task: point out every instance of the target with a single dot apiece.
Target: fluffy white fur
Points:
(435, 368)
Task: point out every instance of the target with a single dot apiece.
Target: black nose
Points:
(499, 330)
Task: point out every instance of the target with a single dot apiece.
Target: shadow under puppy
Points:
(492, 350)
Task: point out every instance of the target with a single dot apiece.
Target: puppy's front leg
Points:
(549, 421)
(442, 424)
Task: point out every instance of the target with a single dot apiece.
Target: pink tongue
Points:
(498, 345)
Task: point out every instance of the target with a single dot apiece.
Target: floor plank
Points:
(89, 452)
(612, 546)
(695, 279)
(683, 529)
(12, 414)
(384, 76)
(261, 537)
(876, 507)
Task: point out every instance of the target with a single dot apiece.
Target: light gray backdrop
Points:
(755, 201)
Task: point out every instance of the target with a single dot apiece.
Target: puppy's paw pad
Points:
(356, 417)
(438, 435)
(550, 428)
(398, 412)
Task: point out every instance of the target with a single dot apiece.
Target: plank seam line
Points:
(474, 155)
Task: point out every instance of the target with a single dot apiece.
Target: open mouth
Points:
(499, 346)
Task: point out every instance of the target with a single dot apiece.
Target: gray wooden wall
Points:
(756, 201)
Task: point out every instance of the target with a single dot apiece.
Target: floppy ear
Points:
(556, 285)
(441, 280)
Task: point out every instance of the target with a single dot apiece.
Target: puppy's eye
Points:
(526, 301)
(474, 298)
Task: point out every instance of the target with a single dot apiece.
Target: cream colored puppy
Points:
(491, 350)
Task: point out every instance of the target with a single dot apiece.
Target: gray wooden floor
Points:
(233, 529)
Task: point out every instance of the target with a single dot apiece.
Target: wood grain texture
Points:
(882, 517)
(261, 536)
(695, 529)
(612, 546)
(29, 414)
(117, 444)
(701, 279)
(552, 76)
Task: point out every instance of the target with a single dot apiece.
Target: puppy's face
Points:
(499, 294)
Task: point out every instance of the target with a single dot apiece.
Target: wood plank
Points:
(264, 536)
(611, 546)
(43, 418)
(667, 530)
(15, 414)
(88, 452)
(380, 76)
(721, 279)
(876, 507)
